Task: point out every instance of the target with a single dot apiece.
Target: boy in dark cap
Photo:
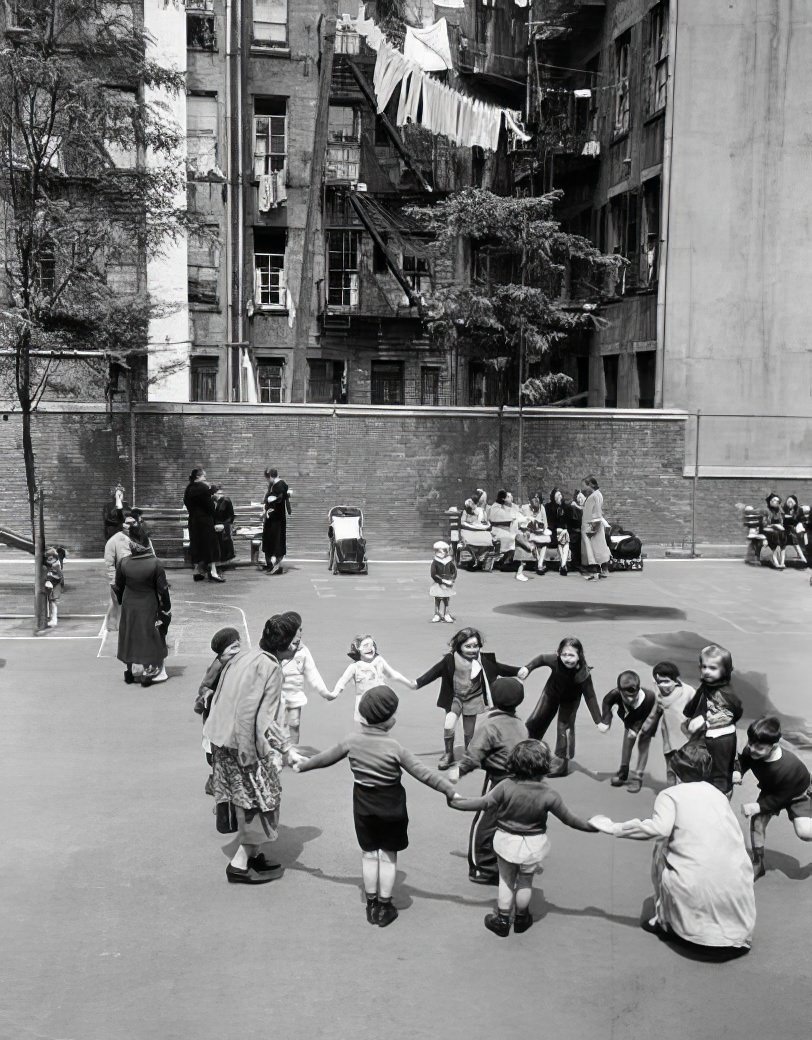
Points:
(490, 747)
(225, 644)
(379, 800)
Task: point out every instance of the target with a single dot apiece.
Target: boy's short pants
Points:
(380, 816)
(800, 808)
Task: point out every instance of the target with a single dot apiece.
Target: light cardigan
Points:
(245, 707)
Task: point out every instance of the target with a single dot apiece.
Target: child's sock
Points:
(759, 870)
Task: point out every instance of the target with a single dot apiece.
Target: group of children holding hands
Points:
(508, 842)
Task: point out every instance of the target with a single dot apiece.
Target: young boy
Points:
(784, 783)
(633, 706)
(713, 712)
(490, 748)
(379, 801)
(672, 695)
(54, 583)
(225, 644)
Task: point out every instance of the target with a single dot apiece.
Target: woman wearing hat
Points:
(203, 545)
(141, 588)
(249, 745)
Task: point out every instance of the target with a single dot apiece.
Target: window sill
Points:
(269, 311)
(262, 50)
(659, 114)
(619, 136)
(211, 308)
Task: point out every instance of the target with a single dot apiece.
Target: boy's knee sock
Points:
(448, 743)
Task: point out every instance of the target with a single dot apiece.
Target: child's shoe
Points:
(521, 577)
(498, 923)
(521, 922)
(435, 619)
(635, 785)
(759, 870)
(563, 572)
(562, 769)
(449, 620)
(387, 913)
(373, 909)
(620, 778)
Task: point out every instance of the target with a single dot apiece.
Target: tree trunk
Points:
(37, 525)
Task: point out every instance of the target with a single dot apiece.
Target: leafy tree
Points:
(81, 112)
(517, 304)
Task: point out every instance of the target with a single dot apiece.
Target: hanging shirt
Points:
(428, 47)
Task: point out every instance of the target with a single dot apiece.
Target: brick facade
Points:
(403, 467)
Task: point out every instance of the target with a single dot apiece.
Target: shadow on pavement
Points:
(540, 907)
(787, 865)
(590, 610)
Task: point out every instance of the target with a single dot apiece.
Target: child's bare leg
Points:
(449, 729)
(370, 871)
(468, 727)
(387, 871)
(293, 720)
(524, 891)
(242, 855)
(758, 830)
(803, 827)
(507, 883)
(643, 744)
(626, 746)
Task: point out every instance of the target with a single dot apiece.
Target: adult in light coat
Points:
(594, 548)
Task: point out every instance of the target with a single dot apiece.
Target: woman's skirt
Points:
(254, 791)
(776, 537)
(381, 819)
(274, 538)
(441, 591)
(527, 851)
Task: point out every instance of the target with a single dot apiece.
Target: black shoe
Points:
(387, 913)
(563, 573)
(373, 910)
(217, 578)
(446, 761)
(620, 778)
(199, 577)
(128, 677)
(562, 769)
(479, 877)
(261, 865)
(499, 924)
(521, 922)
(246, 877)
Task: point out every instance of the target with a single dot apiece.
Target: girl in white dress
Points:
(300, 674)
(368, 669)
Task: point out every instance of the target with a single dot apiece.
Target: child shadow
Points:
(540, 907)
(175, 671)
(688, 950)
(286, 849)
(787, 865)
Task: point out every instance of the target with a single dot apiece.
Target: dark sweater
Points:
(632, 718)
(566, 685)
(492, 743)
(779, 782)
(444, 671)
(445, 571)
(522, 807)
(719, 705)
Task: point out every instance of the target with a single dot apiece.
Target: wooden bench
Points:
(168, 530)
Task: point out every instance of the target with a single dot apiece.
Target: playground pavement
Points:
(117, 918)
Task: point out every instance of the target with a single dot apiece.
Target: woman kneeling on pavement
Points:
(249, 746)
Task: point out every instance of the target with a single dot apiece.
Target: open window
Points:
(270, 25)
(622, 95)
(201, 33)
(342, 270)
(270, 286)
(270, 135)
(201, 133)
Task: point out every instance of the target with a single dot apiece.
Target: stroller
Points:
(626, 550)
(348, 547)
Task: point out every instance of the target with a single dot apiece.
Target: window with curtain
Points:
(270, 135)
(342, 269)
(270, 23)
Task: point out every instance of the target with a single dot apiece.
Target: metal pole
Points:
(695, 487)
(520, 450)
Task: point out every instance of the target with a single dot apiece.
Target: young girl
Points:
(522, 803)
(713, 712)
(54, 583)
(672, 695)
(794, 527)
(298, 674)
(443, 576)
(368, 669)
(379, 801)
(569, 681)
(783, 781)
(466, 675)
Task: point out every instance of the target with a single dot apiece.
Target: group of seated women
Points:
(780, 525)
(522, 536)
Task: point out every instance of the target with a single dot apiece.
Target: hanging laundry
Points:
(280, 186)
(429, 47)
(458, 5)
(521, 3)
(515, 127)
(291, 308)
(266, 193)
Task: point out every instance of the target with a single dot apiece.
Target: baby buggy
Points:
(348, 547)
(626, 550)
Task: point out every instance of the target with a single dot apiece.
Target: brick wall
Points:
(402, 466)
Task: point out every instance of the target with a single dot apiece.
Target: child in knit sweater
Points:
(379, 801)
(712, 714)
(299, 674)
(368, 670)
(443, 576)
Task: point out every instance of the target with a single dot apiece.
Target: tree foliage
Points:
(515, 301)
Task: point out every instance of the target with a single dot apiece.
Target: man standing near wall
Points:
(275, 526)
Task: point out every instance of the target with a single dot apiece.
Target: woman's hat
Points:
(223, 639)
(507, 693)
(279, 631)
(378, 704)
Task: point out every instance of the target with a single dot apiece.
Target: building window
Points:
(203, 265)
(200, 27)
(623, 239)
(271, 381)
(646, 368)
(417, 274)
(204, 378)
(45, 268)
(121, 107)
(610, 368)
(347, 40)
(658, 56)
(326, 382)
(387, 382)
(485, 384)
(270, 135)
(201, 134)
(342, 269)
(343, 160)
(343, 123)
(269, 268)
(271, 23)
(622, 96)
(429, 385)
(651, 231)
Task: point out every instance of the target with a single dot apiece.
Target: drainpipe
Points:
(665, 207)
(229, 212)
(240, 199)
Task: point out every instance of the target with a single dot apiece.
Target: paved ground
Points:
(117, 919)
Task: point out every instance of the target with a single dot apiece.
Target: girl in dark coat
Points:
(203, 545)
(772, 527)
(141, 588)
(569, 681)
(275, 526)
(465, 676)
(223, 524)
(559, 521)
(794, 527)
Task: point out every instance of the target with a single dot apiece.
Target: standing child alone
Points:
(443, 576)
(54, 583)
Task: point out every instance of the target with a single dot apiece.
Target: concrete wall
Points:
(737, 317)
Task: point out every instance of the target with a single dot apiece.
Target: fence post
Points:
(695, 486)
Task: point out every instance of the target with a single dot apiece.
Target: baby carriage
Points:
(348, 547)
(477, 548)
(626, 550)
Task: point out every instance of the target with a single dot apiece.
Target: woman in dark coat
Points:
(794, 527)
(772, 527)
(140, 586)
(465, 675)
(568, 682)
(223, 524)
(275, 525)
(203, 545)
(559, 520)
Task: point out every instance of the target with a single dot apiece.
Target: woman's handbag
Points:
(226, 818)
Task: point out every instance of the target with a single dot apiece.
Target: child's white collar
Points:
(775, 754)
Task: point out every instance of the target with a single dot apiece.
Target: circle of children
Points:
(252, 703)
